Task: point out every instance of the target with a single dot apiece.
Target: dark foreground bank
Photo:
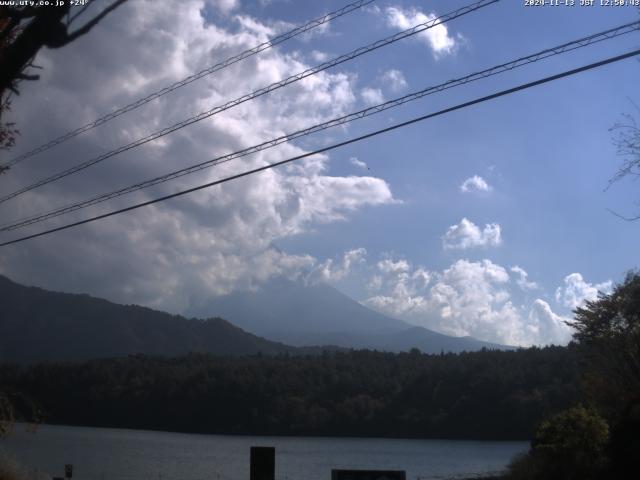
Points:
(498, 395)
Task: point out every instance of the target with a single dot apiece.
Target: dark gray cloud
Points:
(208, 243)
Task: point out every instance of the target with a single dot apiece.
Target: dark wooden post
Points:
(263, 463)
(338, 474)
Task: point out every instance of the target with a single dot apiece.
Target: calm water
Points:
(112, 454)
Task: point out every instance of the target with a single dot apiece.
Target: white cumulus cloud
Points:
(226, 5)
(475, 184)
(469, 298)
(467, 234)
(547, 326)
(390, 266)
(329, 271)
(522, 280)
(575, 290)
(437, 37)
(394, 79)
(375, 283)
(358, 163)
(372, 96)
(319, 56)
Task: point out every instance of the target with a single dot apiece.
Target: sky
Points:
(493, 221)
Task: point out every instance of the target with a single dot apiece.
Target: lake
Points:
(117, 454)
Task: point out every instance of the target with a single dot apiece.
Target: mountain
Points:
(40, 325)
(292, 309)
(302, 315)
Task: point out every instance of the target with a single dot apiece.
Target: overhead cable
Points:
(257, 93)
(334, 146)
(489, 72)
(192, 78)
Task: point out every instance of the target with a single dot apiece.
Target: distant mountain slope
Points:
(300, 315)
(286, 306)
(39, 325)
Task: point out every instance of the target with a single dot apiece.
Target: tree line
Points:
(483, 395)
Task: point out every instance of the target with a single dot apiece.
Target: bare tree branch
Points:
(80, 12)
(47, 27)
(626, 138)
(628, 219)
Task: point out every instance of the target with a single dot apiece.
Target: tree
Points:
(573, 443)
(25, 30)
(8, 132)
(608, 333)
(576, 443)
(569, 445)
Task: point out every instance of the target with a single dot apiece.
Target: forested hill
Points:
(39, 325)
(483, 395)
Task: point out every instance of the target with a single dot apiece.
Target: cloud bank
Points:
(467, 298)
(203, 244)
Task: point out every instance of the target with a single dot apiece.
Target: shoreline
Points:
(274, 435)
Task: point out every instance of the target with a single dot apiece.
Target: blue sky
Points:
(378, 233)
(547, 151)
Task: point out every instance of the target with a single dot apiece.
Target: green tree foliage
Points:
(483, 395)
(576, 443)
(608, 333)
(567, 446)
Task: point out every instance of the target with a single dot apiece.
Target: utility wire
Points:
(336, 145)
(257, 93)
(522, 61)
(192, 78)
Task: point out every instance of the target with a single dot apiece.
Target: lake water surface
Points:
(115, 454)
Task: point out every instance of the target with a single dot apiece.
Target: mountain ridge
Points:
(303, 315)
(38, 325)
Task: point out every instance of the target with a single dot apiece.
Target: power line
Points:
(522, 61)
(257, 93)
(336, 145)
(192, 78)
